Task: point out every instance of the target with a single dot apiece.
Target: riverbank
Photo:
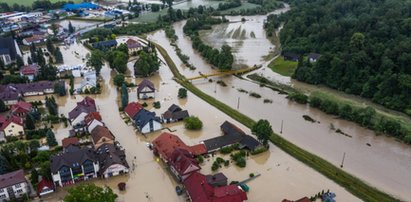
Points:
(351, 183)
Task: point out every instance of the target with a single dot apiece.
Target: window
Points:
(2, 195)
(1, 190)
(19, 191)
(17, 185)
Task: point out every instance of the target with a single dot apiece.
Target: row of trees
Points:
(41, 4)
(222, 59)
(54, 51)
(365, 47)
(228, 5)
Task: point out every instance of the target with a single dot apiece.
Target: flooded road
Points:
(150, 180)
(77, 24)
(385, 164)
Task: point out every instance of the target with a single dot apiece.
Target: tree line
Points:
(365, 47)
(222, 59)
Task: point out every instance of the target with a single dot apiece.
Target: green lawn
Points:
(283, 67)
(149, 16)
(30, 2)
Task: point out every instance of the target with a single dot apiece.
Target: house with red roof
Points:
(199, 190)
(30, 71)
(70, 144)
(165, 144)
(21, 109)
(83, 108)
(92, 120)
(101, 135)
(45, 187)
(13, 126)
(132, 109)
(183, 164)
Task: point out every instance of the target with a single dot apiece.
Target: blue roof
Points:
(84, 5)
(143, 117)
(103, 44)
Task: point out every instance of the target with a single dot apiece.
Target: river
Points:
(282, 175)
(385, 164)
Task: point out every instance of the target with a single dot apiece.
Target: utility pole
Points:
(282, 122)
(342, 162)
(238, 103)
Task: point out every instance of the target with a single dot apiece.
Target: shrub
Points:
(182, 93)
(226, 150)
(256, 95)
(193, 123)
(157, 105)
(298, 97)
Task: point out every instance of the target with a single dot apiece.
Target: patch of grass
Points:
(283, 67)
(352, 184)
(149, 16)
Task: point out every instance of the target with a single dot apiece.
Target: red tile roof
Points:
(44, 183)
(21, 107)
(198, 149)
(70, 141)
(200, 191)
(29, 69)
(91, 116)
(13, 119)
(100, 132)
(184, 162)
(12, 178)
(132, 109)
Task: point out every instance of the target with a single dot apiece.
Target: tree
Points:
(50, 46)
(34, 177)
(147, 64)
(182, 93)
(118, 60)
(71, 29)
(124, 95)
(262, 129)
(30, 123)
(95, 60)
(3, 106)
(193, 123)
(29, 60)
(51, 138)
(19, 61)
(90, 192)
(58, 56)
(118, 80)
(54, 28)
(60, 89)
(4, 165)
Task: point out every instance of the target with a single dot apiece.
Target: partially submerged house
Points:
(133, 46)
(132, 109)
(77, 115)
(183, 164)
(199, 190)
(9, 50)
(12, 127)
(146, 121)
(89, 81)
(101, 135)
(71, 167)
(21, 109)
(165, 144)
(45, 187)
(13, 185)
(112, 160)
(29, 71)
(145, 90)
(105, 44)
(231, 135)
(174, 114)
(70, 144)
(217, 180)
(92, 120)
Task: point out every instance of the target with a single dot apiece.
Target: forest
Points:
(365, 47)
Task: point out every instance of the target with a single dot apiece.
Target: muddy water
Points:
(385, 164)
(150, 180)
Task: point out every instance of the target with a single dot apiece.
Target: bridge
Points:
(224, 73)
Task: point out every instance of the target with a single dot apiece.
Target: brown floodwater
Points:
(385, 164)
(282, 175)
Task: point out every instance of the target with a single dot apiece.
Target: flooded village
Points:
(134, 137)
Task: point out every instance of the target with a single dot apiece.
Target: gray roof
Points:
(70, 159)
(143, 117)
(174, 108)
(105, 44)
(109, 154)
(8, 46)
(145, 83)
(12, 91)
(12, 178)
(250, 142)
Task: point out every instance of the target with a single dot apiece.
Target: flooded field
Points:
(149, 180)
(384, 164)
